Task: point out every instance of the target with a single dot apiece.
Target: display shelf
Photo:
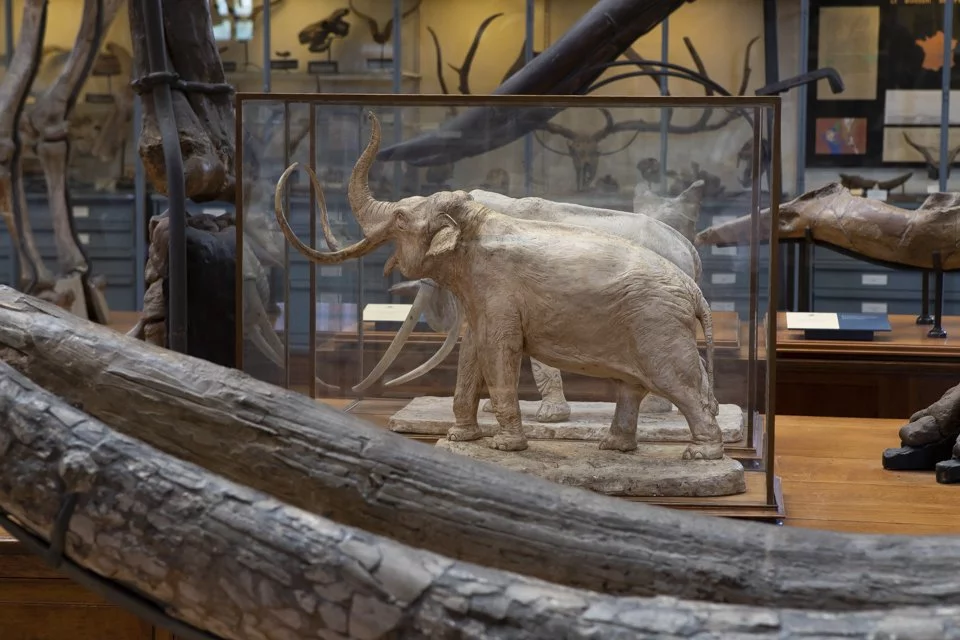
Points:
(906, 340)
(749, 505)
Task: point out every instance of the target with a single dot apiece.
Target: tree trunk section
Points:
(205, 122)
(242, 565)
(321, 460)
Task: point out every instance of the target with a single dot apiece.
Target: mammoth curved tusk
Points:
(332, 243)
(436, 358)
(356, 250)
(416, 310)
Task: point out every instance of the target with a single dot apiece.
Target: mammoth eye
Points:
(401, 218)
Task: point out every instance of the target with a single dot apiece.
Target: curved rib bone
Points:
(14, 90)
(49, 123)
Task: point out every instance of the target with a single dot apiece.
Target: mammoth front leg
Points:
(500, 349)
(466, 397)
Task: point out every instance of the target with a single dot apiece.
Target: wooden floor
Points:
(833, 479)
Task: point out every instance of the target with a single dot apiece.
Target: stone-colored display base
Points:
(433, 415)
(653, 470)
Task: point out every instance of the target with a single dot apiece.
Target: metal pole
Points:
(397, 49)
(945, 93)
(266, 48)
(802, 96)
(140, 212)
(8, 29)
(176, 190)
(664, 113)
(529, 26)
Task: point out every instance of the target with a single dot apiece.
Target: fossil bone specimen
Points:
(503, 269)
(870, 228)
(319, 36)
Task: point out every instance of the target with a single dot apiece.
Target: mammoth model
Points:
(443, 314)
(573, 298)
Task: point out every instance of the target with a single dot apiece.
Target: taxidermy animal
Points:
(557, 292)
(443, 314)
(933, 166)
(382, 36)
(870, 228)
(320, 35)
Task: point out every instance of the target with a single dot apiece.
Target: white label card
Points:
(723, 251)
(84, 238)
(933, 188)
(799, 320)
(81, 212)
(723, 306)
(723, 278)
(877, 194)
(873, 307)
(874, 279)
(386, 312)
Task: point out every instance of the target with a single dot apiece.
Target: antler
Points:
(463, 72)
(403, 16)
(374, 27)
(922, 150)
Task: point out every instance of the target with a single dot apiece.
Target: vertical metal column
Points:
(8, 29)
(140, 211)
(529, 26)
(266, 48)
(802, 96)
(162, 95)
(664, 113)
(397, 50)
(945, 95)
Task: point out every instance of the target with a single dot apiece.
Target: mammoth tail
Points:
(706, 321)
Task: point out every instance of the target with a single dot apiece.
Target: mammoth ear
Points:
(444, 240)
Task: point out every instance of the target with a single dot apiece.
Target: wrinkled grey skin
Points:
(641, 228)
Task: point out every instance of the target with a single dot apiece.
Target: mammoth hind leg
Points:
(683, 380)
(623, 429)
(553, 404)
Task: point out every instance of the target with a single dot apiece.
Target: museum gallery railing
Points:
(752, 107)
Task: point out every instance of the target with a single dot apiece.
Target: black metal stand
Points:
(925, 317)
(937, 331)
(805, 284)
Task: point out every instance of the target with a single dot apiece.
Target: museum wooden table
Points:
(892, 376)
(831, 476)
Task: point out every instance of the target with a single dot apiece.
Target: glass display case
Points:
(348, 331)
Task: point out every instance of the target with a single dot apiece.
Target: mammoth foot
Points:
(548, 411)
(703, 451)
(619, 442)
(553, 412)
(464, 434)
(509, 442)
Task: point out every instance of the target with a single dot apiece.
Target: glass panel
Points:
(591, 180)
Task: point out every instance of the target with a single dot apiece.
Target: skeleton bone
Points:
(49, 120)
(14, 89)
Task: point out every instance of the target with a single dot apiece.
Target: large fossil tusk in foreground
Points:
(321, 460)
(293, 574)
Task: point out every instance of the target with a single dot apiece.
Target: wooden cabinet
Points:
(38, 603)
